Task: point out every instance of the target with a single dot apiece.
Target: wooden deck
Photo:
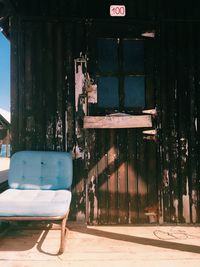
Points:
(33, 246)
(36, 244)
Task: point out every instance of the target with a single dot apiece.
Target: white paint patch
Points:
(79, 81)
(186, 205)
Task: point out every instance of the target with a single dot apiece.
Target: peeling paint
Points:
(80, 64)
(186, 204)
(194, 206)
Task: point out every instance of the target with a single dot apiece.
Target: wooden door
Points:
(122, 176)
(122, 162)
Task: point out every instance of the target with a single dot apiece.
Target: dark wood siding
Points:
(122, 176)
(179, 114)
(40, 81)
(121, 173)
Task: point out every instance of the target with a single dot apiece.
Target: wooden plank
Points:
(173, 123)
(49, 84)
(164, 140)
(151, 177)
(38, 93)
(132, 174)
(14, 82)
(59, 85)
(138, 121)
(34, 64)
(21, 88)
(141, 177)
(197, 121)
(112, 177)
(102, 177)
(192, 136)
(122, 177)
(91, 162)
(77, 210)
(28, 72)
(69, 83)
(183, 118)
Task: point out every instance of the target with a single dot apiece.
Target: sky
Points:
(4, 73)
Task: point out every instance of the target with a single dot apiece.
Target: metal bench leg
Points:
(63, 232)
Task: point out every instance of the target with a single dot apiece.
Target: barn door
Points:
(122, 177)
(121, 163)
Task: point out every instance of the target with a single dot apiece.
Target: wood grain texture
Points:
(139, 121)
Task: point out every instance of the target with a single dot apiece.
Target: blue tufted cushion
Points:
(16, 202)
(40, 170)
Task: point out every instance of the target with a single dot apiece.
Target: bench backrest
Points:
(40, 170)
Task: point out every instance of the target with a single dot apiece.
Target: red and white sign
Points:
(117, 11)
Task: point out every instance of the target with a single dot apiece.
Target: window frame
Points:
(120, 74)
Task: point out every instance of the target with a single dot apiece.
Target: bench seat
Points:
(39, 188)
(37, 203)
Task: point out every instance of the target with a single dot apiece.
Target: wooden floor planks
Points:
(102, 245)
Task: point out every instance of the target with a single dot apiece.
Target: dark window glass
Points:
(133, 51)
(107, 55)
(108, 92)
(134, 90)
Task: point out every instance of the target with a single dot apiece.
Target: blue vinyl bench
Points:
(39, 188)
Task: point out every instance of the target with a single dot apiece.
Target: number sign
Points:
(117, 11)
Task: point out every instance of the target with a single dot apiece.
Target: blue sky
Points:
(4, 73)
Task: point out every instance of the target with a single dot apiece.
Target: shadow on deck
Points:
(36, 244)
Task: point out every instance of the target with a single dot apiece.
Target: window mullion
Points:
(120, 75)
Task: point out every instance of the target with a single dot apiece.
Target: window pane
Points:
(133, 51)
(107, 55)
(134, 92)
(108, 92)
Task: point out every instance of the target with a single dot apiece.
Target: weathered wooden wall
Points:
(39, 85)
(179, 117)
(45, 40)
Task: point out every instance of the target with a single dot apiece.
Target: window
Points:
(108, 93)
(134, 94)
(120, 74)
